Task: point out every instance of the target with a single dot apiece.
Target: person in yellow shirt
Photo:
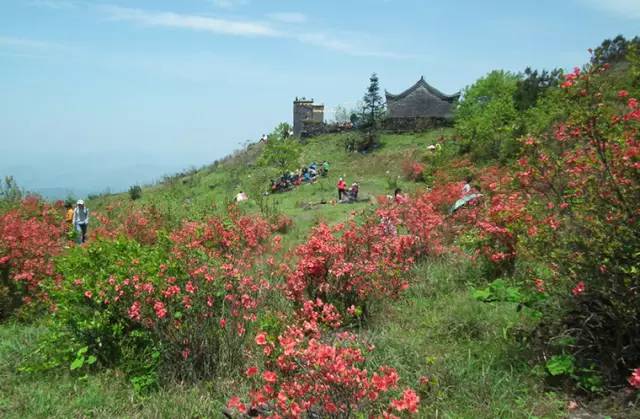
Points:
(68, 217)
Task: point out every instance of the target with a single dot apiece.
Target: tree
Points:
(533, 84)
(10, 192)
(487, 117)
(613, 50)
(135, 192)
(373, 107)
(282, 154)
(341, 115)
(281, 131)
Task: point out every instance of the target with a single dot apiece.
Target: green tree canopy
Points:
(487, 116)
(282, 154)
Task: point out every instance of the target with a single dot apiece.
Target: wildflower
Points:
(634, 379)
(88, 294)
(269, 376)
(578, 289)
(160, 309)
(251, 371)
(261, 339)
(134, 311)
(235, 403)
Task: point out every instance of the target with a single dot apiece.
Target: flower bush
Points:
(413, 170)
(31, 235)
(192, 296)
(310, 368)
(350, 265)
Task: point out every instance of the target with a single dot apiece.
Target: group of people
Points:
(347, 195)
(78, 219)
(307, 174)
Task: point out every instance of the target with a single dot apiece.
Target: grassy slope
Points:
(476, 367)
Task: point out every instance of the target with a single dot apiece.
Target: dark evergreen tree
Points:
(532, 84)
(373, 106)
(613, 50)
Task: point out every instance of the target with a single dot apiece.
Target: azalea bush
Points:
(585, 175)
(351, 266)
(184, 303)
(310, 368)
(413, 170)
(32, 233)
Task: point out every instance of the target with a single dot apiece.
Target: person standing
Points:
(325, 168)
(81, 221)
(68, 216)
(342, 188)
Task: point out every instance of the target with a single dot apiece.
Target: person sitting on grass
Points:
(81, 221)
(466, 188)
(354, 191)
(241, 196)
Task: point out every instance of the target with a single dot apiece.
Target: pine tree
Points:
(373, 106)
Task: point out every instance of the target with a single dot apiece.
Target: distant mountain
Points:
(54, 193)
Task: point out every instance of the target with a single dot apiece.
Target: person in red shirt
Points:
(342, 188)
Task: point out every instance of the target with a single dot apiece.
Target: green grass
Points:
(195, 195)
(467, 349)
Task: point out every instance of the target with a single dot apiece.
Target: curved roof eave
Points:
(422, 82)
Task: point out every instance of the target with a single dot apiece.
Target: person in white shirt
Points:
(466, 189)
(241, 197)
(81, 221)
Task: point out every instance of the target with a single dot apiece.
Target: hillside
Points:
(474, 365)
(192, 195)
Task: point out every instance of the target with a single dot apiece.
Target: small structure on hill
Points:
(419, 107)
(308, 117)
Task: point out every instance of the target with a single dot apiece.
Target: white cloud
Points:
(346, 46)
(288, 17)
(629, 9)
(229, 4)
(193, 22)
(254, 28)
(22, 43)
(54, 4)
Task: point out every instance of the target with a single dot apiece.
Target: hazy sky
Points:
(98, 94)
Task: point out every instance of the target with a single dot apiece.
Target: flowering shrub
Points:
(350, 265)
(141, 224)
(584, 176)
(282, 223)
(31, 234)
(192, 296)
(634, 379)
(304, 370)
(413, 170)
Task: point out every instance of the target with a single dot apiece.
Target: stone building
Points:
(307, 117)
(419, 107)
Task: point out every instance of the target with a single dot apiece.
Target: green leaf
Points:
(91, 360)
(482, 295)
(560, 364)
(78, 363)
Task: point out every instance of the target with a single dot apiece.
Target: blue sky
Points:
(106, 94)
